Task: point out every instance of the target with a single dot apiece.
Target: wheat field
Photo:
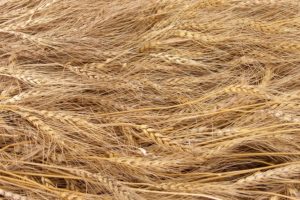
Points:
(150, 99)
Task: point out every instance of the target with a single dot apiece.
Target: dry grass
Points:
(140, 99)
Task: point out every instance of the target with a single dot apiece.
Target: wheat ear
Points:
(197, 36)
(94, 66)
(172, 186)
(26, 36)
(215, 133)
(120, 191)
(175, 59)
(7, 93)
(211, 152)
(291, 96)
(182, 80)
(281, 104)
(247, 89)
(11, 195)
(70, 196)
(287, 46)
(81, 71)
(282, 116)
(286, 172)
(197, 26)
(21, 96)
(274, 198)
(251, 3)
(26, 77)
(31, 13)
(65, 118)
(40, 125)
(161, 140)
(226, 132)
(210, 3)
(294, 192)
(47, 182)
(45, 5)
(90, 74)
(142, 162)
(149, 45)
(260, 26)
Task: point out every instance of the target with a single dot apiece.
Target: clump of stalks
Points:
(138, 99)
